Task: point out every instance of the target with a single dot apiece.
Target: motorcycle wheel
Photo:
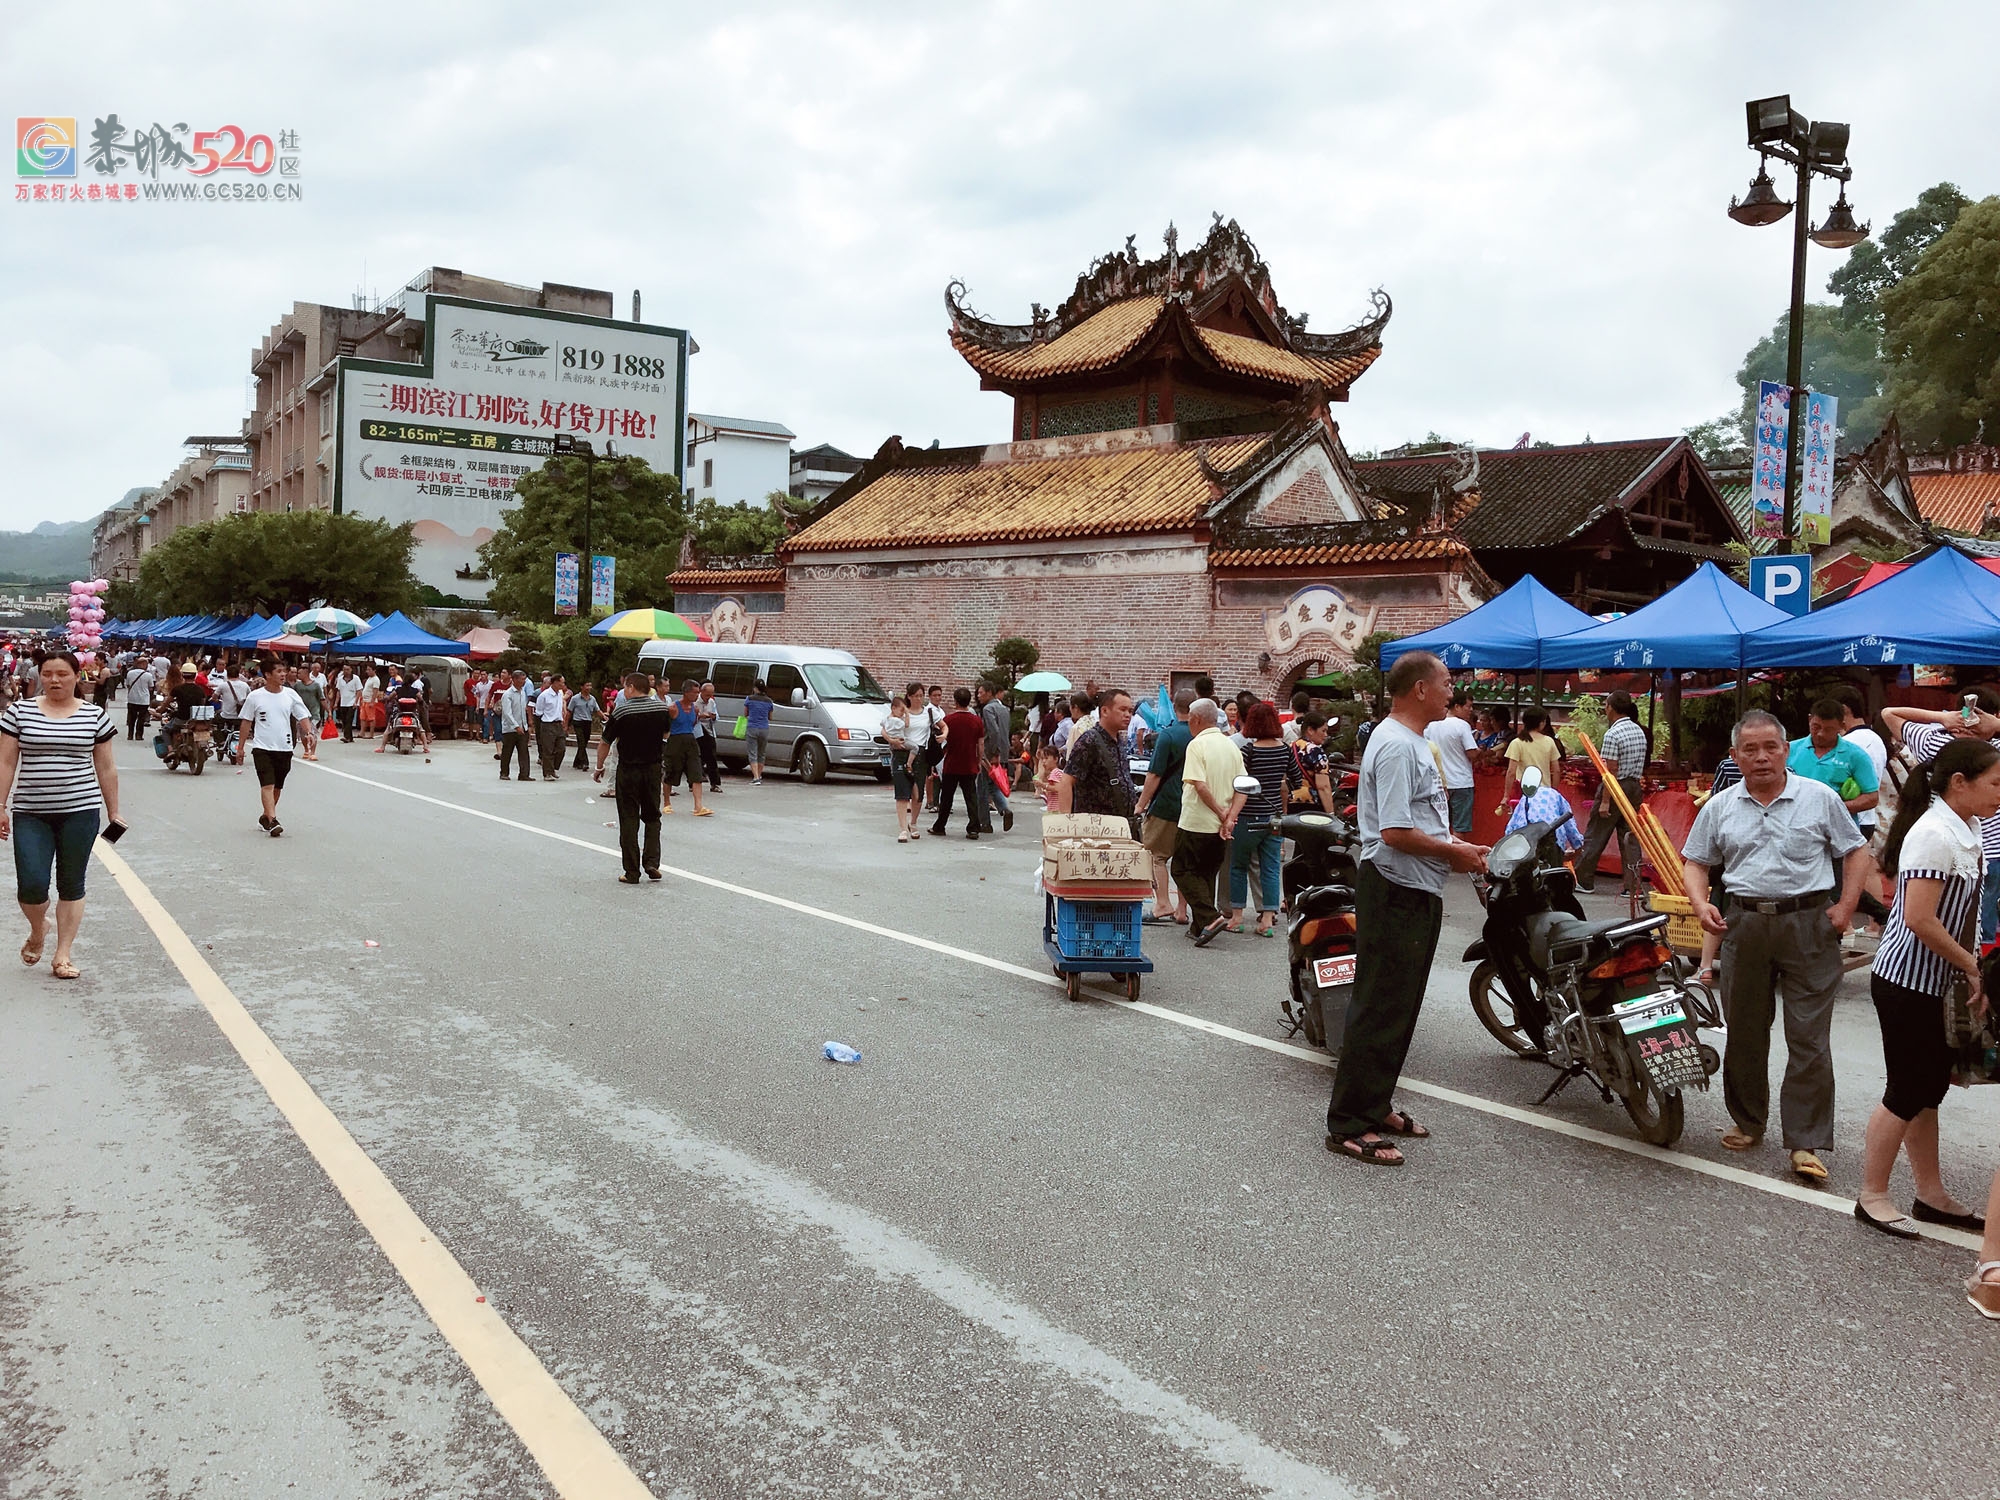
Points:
(1658, 1119)
(1305, 1005)
(403, 743)
(1495, 1009)
(197, 760)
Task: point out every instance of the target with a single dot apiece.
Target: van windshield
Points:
(844, 684)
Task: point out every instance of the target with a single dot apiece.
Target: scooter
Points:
(1605, 1000)
(405, 732)
(188, 745)
(1319, 876)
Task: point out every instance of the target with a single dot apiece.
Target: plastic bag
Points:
(1000, 780)
(741, 729)
(329, 730)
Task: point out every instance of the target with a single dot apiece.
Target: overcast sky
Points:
(1539, 187)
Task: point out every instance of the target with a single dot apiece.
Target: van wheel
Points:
(811, 764)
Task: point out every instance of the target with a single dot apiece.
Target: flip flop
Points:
(31, 952)
(1209, 933)
(62, 968)
(704, 812)
(1738, 1140)
(1807, 1165)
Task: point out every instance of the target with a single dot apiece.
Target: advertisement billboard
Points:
(442, 442)
(1816, 469)
(603, 581)
(565, 583)
(1767, 476)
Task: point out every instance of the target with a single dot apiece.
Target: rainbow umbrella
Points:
(648, 625)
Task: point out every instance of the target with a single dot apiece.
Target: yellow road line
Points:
(579, 1462)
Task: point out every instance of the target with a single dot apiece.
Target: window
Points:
(844, 684)
(779, 680)
(325, 490)
(734, 679)
(326, 413)
(708, 473)
(678, 669)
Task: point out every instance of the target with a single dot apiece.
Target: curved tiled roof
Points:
(726, 578)
(1124, 492)
(1957, 502)
(1100, 340)
(1416, 549)
(1248, 356)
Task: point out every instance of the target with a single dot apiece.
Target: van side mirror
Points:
(798, 697)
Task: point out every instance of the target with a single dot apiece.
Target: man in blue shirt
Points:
(1827, 758)
(757, 730)
(683, 756)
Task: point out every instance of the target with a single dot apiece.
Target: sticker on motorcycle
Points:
(1328, 972)
(1664, 1040)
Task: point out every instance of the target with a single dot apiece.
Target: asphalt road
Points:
(1025, 1248)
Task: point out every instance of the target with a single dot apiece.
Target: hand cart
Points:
(1093, 928)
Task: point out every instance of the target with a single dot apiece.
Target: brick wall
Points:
(1130, 629)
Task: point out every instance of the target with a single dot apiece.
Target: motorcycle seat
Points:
(1557, 932)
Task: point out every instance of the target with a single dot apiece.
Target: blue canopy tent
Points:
(245, 634)
(1702, 621)
(1944, 610)
(398, 635)
(1504, 634)
(170, 632)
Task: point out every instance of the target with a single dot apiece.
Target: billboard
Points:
(1767, 475)
(442, 442)
(603, 581)
(1816, 469)
(565, 583)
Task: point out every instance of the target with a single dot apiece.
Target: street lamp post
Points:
(569, 446)
(1810, 146)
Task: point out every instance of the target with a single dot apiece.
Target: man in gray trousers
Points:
(1795, 864)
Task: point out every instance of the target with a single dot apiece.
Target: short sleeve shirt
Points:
(271, 715)
(56, 773)
(1845, 762)
(1213, 761)
(1542, 752)
(1101, 781)
(1169, 754)
(1923, 741)
(1402, 787)
(1788, 848)
(1455, 744)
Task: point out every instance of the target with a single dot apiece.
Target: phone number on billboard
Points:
(574, 358)
(457, 437)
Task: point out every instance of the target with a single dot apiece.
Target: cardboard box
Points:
(1084, 826)
(1119, 860)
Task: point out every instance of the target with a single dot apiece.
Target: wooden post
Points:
(1673, 722)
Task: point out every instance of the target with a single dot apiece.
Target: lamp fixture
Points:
(1840, 232)
(1761, 205)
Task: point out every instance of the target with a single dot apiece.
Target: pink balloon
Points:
(99, 585)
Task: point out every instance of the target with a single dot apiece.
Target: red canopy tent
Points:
(485, 643)
(1881, 570)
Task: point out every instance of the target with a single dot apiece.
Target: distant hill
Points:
(54, 550)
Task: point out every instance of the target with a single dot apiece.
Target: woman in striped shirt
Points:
(1258, 845)
(1927, 943)
(55, 760)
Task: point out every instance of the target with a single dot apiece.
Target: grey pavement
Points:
(1025, 1248)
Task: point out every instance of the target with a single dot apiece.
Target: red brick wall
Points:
(1114, 628)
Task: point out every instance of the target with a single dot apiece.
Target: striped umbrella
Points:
(649, 625)
(327, 624)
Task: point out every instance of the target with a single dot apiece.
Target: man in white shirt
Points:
(1452, 738)
(271, 716)
(550, 737)
(138, 700)
(346, 689)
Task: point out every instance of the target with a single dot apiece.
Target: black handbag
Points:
(1974, 1041)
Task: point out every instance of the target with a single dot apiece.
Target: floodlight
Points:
(1770, 119)
(1826, 145)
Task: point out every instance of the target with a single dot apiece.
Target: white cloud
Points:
(1539, 186)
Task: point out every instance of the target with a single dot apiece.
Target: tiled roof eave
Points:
(994, 536)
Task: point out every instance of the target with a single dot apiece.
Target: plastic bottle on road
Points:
(840, 1052)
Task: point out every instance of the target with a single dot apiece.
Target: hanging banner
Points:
(1767, 476)
(566, 580)
(1816, 469)
(603, 579)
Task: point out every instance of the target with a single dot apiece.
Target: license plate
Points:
(1328, 972)
(1671, 1056)
(1648, 1011)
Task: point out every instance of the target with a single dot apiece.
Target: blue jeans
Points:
(1258, 844)
(61, 840)
(990, 798)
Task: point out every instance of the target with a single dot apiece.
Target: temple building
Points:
(1174, 498)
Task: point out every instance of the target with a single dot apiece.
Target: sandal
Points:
(704, 812)
(1209, 933)
(1983, 1294)
(1379, 1153)
(62, 968)
(1739, 1140)
(1806, 1164)
(31, 951)
(1269, 931)
(1401, 1124)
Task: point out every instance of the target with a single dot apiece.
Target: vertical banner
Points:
(1767, 476)
(603, 580)
(566, 580)
(1816, 469)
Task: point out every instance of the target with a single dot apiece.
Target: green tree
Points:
(738, 530)
(640, 523)
(1719, 444)
(1941, 332)
(1874, 266)
(277, 562)
(1840, 358)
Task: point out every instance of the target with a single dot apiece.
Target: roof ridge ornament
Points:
(967, 324)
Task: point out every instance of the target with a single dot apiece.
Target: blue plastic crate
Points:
(1097, 929)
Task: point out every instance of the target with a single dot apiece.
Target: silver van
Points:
(826, 713)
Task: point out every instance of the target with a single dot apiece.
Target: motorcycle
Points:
(187, 744)
(1320, 938)
(1602, 1000)
(405, 731)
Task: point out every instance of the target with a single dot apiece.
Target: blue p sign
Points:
(1781, 580)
